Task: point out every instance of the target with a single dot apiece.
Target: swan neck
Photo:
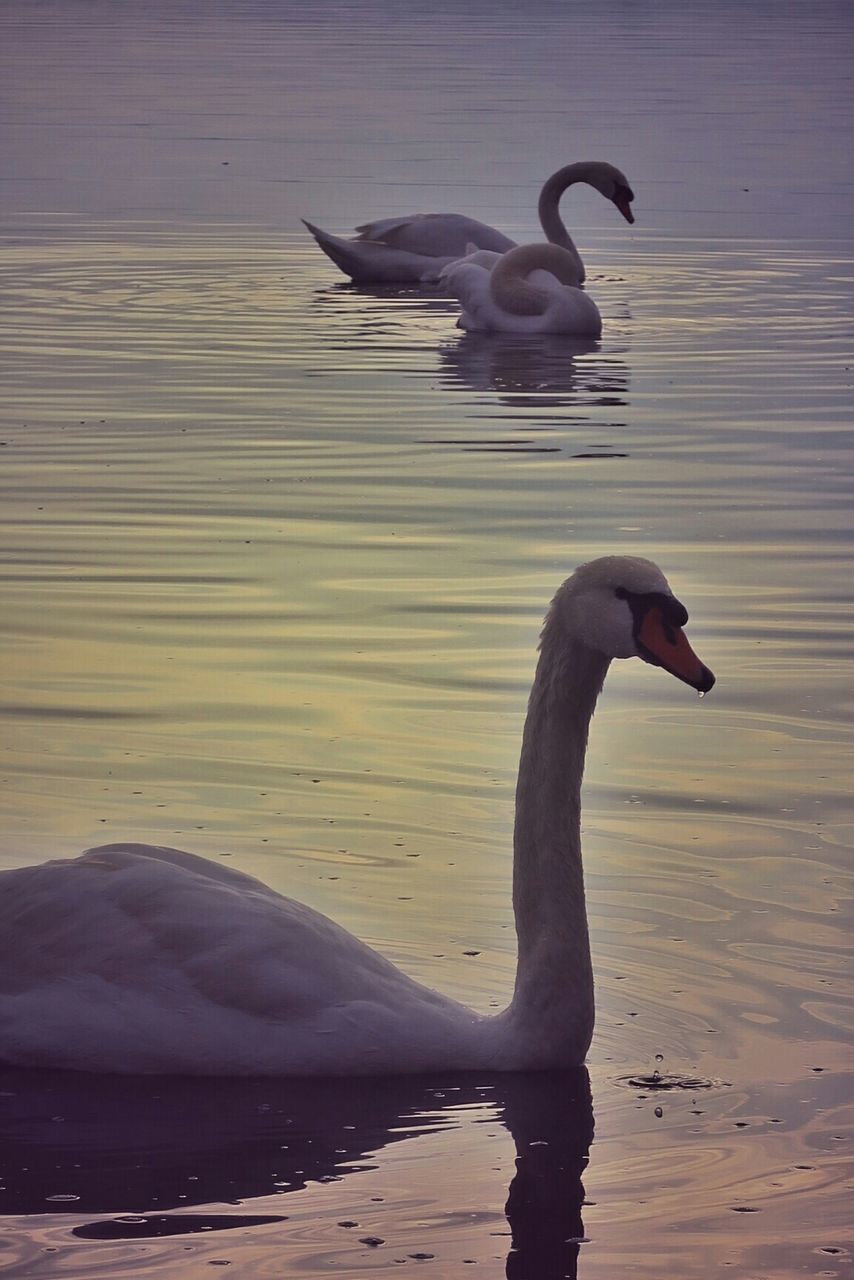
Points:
(513, 292)
(549, 212)
(554, 981)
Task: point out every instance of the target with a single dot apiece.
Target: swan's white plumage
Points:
(530, 289)
(434, 235)
(141, 958)
(414, 248)
(135, 958)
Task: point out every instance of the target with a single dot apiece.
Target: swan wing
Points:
(571, 311)
(468, 282)
(435, 235)
(135, 958)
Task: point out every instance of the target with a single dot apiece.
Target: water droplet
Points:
(701, 693)
(659, 1057)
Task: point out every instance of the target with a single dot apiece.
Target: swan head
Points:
(623, 607)
(614, 186)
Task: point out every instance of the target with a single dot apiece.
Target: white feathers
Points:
(530, 289)
(414, 248)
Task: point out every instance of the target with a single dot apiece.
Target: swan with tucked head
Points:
(415, 247)
(134, 958)
(533, 288)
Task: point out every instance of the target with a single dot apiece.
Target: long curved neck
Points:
(550, 219)
(514, 293)
(554, 980)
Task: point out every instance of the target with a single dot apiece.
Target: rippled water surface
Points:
(276, 551)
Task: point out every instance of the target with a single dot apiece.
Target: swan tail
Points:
(372, 262)
(339, 250)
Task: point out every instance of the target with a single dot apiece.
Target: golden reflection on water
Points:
(279, 602)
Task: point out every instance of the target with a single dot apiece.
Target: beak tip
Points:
(705, 681)
(623, 200)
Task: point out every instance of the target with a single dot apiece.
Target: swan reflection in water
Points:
(138, 1147)
(539, 372)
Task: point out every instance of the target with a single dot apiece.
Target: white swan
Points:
(415, 247)
(134, 958)
(530, 289)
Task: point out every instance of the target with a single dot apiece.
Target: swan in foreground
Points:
(530, 289)
(134, 958)
(415, 247)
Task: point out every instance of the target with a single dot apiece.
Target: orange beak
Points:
(665, 645)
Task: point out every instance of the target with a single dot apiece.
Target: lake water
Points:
(276, 554)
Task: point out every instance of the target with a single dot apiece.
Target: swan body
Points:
(414, 248)
(533, 288)
(140, 959)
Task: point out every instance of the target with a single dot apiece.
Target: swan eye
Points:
(673, 611)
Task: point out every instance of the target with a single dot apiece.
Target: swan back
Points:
(437, 235)
(138, 958)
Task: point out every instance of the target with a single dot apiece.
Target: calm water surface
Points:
(276, 554)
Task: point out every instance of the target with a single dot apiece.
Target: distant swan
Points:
(134, 958)
(414, 248)
(530, 289)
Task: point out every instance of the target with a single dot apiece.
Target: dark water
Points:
(275, 555)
